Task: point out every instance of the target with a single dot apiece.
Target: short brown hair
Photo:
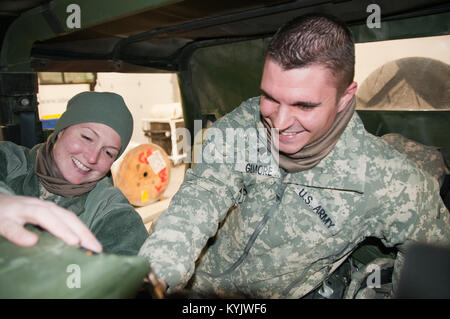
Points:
(316, 39)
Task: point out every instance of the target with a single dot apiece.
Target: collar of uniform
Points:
(344, 168)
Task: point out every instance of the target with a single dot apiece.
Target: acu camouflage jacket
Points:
(287, 230)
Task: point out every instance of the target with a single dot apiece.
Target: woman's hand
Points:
(16, 211)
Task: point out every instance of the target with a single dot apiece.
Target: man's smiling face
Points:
(301, 103)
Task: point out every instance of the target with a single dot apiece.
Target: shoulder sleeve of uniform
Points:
(243, 116)
(113, 220)
(429, 223)
(202, 202)
(14, 160)
(433, 218)
(413, 209)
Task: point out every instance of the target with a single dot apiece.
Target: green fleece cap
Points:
(101, 107)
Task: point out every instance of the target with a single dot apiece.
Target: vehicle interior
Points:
(216, 49)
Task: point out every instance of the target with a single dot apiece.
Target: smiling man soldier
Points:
(334, 185)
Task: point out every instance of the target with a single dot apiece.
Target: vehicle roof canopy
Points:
(215, 47)
(135, 35)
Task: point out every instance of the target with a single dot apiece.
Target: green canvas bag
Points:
(52, 269)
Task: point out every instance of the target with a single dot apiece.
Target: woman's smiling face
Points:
(85, 152)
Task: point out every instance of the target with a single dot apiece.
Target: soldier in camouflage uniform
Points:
(295, 219)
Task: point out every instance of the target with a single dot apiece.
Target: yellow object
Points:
(144, 196)
(51, 117)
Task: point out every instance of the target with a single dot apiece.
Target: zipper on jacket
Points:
(257, 231)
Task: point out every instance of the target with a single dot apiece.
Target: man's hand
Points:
(158, 285)
(16, 211)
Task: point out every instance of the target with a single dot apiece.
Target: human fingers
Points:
(86, 237)
(64, 224)
(50, 219)
(58, 221)
(17, 234)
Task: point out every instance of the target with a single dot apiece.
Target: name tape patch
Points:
(258, 169)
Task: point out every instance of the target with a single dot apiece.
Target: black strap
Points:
(445, 191)
(52, 19)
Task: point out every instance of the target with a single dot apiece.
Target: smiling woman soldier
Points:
(62, 185)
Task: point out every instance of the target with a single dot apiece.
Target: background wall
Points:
(141, 93)
(369, 56)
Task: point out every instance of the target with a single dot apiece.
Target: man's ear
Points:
(346, 97)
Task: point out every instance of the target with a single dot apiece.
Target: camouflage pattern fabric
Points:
(286, 231)
(426, 157)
